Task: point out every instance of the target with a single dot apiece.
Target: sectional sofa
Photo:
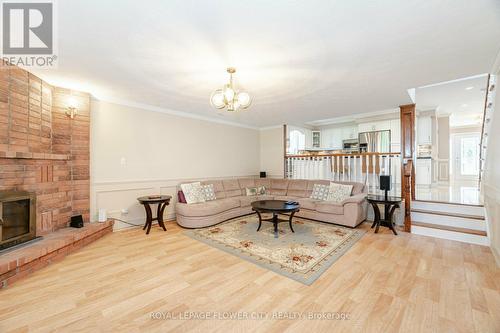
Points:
(232, 202)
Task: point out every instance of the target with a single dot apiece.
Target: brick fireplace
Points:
(42, 150)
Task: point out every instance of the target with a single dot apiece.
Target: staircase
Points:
(463, 223)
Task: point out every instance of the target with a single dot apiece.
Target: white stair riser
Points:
(448, 208)
(451, 235)
(450, 221)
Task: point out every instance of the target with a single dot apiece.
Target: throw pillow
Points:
(180, 197)
(261, 190)
(339, 192)
(251, 191)
(193, 192)
(208, 192)
(320, 192)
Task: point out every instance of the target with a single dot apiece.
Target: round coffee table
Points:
(162, 201)
(275, 207)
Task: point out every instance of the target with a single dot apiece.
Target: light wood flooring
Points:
(384, 283)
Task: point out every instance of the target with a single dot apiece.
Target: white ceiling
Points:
(301, 60)
(462, 99)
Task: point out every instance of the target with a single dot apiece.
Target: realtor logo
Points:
(28, 29)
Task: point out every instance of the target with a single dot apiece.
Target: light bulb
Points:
(244, 99)
(217, 99)
(72, 103)
(229, 93)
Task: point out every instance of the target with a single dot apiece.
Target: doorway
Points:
(465, 156)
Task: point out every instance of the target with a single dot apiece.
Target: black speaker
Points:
(263, 174)
(385, 182)
(76, 221)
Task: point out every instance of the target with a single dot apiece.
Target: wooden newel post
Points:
(407, 193)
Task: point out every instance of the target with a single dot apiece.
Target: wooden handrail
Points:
(345, 154)
(407, 189)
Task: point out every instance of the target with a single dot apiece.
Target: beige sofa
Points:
(232, 202)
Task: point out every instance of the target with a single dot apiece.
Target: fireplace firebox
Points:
(17, 218)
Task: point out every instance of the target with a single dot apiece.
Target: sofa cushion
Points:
(320, 192)
(266, 182)
(308, 203)
(329, 207)
(218, 188)
(278, 186)
(231, 187)
(207, 208)
(193, 192)
(208, 192)
(297, 188)
(246, 183)
(339, 192)
(357, 188)
(245, 201)
(285, 197)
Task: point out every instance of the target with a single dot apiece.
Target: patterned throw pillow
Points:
(251, 191)
(208, 192)
(193, 192)
(320, 192)
(259, 190)
(339, 192)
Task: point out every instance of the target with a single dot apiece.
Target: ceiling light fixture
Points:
(229, 97)
(469, 88)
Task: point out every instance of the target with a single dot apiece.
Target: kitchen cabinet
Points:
(424, 130)
(349, 132)
(316, 139)
(423, 172)
(381, 125)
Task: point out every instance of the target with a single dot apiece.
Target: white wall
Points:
(271, 152)
(491, 181)
(137, 152)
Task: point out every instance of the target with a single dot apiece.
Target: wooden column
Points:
(408, 159)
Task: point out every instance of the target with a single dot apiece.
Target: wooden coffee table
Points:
(275, 207)
(162, 201)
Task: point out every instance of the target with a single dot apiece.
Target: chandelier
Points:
(228, 97)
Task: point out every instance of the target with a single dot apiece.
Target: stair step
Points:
(446, 220)
(464, 216)
(449, 228)
(450, 235)
(457, 209)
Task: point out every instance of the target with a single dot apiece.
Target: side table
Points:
(162, 201)
(390, 205)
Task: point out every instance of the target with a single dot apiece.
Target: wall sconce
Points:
(71, 112)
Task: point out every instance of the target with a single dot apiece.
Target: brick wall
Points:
(42, 150)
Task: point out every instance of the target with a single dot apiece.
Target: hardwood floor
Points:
(384, 283)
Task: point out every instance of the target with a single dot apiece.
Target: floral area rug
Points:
(302, 256)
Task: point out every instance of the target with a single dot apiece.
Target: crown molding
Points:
(183, 114)
(270, 127)
(353, 118)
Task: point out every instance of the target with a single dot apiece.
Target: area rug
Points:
(302, 256)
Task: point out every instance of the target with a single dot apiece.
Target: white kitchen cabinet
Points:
(374, 126)
(349, 132)
(423, 172)
(424, 130)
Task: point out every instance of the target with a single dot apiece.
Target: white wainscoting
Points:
(116, 196)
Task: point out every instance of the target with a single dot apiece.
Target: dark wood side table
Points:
(162, 201)
(275, 207)
(390, 205)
